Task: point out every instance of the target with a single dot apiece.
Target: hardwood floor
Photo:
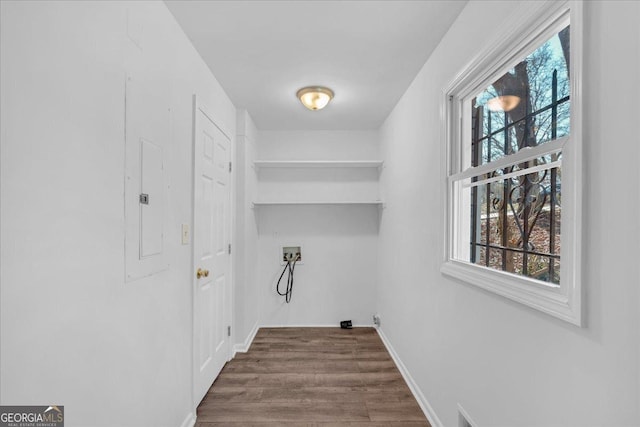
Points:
(311, 377)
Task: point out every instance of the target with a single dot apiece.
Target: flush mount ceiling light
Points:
(315, 97)
(503, 103)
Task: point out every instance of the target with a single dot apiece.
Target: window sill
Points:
(549, 299)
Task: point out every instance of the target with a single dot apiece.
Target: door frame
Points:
(197, 107)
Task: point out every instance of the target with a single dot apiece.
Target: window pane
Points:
(515, 222)
(527, 106)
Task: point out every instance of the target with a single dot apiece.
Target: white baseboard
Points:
(190, 421)
(314, 326)
(417, 393)
(467, 419)
(244, 347)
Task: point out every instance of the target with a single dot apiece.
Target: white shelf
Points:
(317, 164)
(303, 203)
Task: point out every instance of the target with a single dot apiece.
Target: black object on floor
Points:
(346, 324)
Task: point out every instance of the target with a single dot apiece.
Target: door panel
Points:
(211, 257)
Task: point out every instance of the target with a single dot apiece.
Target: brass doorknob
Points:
(202, 273)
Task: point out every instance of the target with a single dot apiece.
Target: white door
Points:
(211, 238)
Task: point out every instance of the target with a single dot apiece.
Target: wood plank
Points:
(377, 366)
(395, 411)
(319, 424)
(275, 411)
(309, 394)
(314, 366)
(266, 354)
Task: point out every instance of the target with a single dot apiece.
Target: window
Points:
(516, 209)
(513, 188)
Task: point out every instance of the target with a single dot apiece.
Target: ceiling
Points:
(263, 51)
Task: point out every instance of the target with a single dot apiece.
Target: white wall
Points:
(72, 331)
(247, 301)
(336, 280)
(509, 365)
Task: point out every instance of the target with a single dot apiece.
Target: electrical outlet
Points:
(291, 253)
(376, 320)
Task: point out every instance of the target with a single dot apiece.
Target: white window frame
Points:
(531, 25)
